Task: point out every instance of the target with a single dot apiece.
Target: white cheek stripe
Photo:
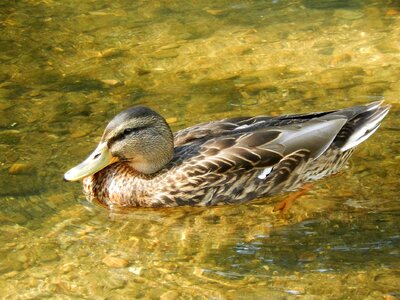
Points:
(264, 173)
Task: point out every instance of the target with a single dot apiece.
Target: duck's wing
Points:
(266, 147)
(238, 125)
(244, 160)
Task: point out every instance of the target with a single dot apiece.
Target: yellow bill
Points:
(97, 160)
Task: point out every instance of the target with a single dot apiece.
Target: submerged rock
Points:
(115, 262)
(21, 168)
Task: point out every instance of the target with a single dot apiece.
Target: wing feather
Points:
(281, 148)
(239, 124)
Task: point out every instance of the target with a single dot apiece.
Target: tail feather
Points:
(362, 125)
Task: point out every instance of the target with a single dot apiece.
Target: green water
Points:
(68, 66)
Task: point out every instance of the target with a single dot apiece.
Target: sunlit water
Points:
(68, 66)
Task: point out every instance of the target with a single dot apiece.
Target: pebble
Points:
(11, 136)
(171, 120)
(392, 12)
(110, 81)
(214, 12)
(169, 46)
(88, 229)
(21, 168)
(307, 257)
(293, 292)
(22, 257)
(47, 253)
(114, 283)
(63, 287)
(11, 274)
(135, 270)
(110, 53)
(58, 49)
(169, 295)
(341, 58)
(80, 132)
(68, 267)
(115, 262)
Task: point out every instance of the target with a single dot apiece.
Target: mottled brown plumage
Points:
(140, 163)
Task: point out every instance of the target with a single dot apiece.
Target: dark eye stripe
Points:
(123, 134)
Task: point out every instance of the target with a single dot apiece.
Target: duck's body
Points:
(222, 162)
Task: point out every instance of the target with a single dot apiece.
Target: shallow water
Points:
(67, 67)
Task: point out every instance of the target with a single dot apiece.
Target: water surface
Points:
(68, 67)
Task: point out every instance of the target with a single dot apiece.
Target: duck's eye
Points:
(129, 130)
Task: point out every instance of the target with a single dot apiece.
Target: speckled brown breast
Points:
(118, 185)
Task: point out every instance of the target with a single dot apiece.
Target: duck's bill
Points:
(99, 159)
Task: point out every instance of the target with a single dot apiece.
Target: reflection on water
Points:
(67, 68)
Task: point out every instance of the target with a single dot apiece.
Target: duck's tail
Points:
(362, 122)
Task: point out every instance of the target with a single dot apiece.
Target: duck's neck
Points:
(149, 165)
(154, 160)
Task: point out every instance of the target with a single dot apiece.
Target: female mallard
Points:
(139, 162)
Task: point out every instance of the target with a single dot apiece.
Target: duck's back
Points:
(238, 159)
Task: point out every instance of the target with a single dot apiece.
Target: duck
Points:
(139, 162)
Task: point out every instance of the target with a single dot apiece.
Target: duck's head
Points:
(137, 136)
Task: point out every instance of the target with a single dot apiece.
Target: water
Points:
(68, 67)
